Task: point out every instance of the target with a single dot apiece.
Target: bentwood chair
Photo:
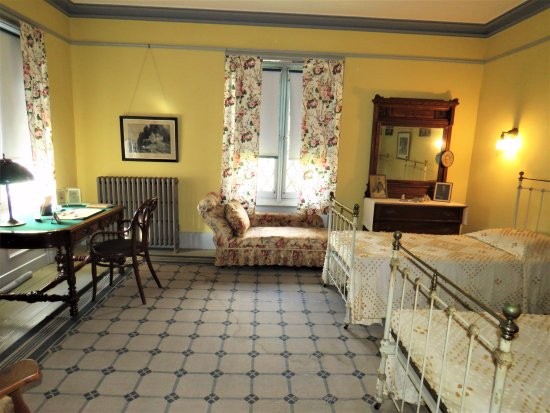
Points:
(126, 247)
(12, 380)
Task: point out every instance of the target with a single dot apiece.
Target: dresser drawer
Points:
(408, 212)
(418, 227)
(416, 217)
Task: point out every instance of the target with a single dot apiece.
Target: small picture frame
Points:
(388, 131)
(424, 132)
(377, 186)
(442, 191)
(403, 145)
(149, 138)
(68, 196)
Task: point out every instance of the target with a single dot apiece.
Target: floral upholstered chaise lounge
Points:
(263, 238)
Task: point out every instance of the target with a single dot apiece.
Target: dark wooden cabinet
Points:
(418, 217)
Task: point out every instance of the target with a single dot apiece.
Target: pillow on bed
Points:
(518, 242)
(237, 217)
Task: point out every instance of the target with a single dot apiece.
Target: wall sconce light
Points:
(509, 141)
(11, 173)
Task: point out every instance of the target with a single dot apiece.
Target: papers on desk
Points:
(102, 206)
(78, 213)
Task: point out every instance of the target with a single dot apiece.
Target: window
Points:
(280, 134)
(15, 143)
(14, 131)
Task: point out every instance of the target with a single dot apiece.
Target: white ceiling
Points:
(454, 11)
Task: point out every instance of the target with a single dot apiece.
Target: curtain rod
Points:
(9, 26)
(294, 57)
(279, 54)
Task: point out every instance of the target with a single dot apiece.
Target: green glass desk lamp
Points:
(12, 173)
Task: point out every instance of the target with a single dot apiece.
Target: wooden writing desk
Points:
(64, 236)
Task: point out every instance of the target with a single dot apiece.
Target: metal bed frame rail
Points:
(391, 342)
(342, 226)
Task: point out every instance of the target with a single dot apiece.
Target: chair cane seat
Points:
(114, 248)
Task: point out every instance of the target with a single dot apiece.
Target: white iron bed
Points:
(496, 266)
(457, 354)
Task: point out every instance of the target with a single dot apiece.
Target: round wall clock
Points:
(447, 158)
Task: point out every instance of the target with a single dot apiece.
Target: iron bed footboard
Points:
(338, 268)
(432, 288)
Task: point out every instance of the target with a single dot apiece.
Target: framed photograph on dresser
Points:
(442, 191)
(377, 186)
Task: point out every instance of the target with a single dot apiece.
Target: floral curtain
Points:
(323, 82)
(37, 97)
(240, 147)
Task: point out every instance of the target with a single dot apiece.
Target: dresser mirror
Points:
(408, 138)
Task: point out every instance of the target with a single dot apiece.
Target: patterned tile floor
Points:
(213, 340)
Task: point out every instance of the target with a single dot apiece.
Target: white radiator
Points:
(132, 191)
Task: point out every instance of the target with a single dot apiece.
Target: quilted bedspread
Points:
(496, 266)
(526, 386)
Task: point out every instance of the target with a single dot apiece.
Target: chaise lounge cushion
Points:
(237, 217)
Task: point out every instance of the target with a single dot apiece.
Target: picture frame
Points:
(442, 191)
(378, 186)
(68, 196)
(149, 138)
(403, 145)
(424, 132)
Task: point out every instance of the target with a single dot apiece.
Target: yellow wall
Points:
(188, 85)
(515, 93)
(97, 78)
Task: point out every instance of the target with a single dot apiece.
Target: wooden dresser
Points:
(443, 218)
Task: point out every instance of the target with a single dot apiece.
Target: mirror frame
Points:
(411, 112)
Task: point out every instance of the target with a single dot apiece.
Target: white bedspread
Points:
(495, 266)
(526, 387)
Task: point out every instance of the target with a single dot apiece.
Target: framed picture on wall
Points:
(403, 145)
(149, 138)
(377, 186)
(442, 191)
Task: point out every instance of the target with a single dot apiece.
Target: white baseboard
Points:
(196, 240)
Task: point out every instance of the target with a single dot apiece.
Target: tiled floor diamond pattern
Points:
(213, 340)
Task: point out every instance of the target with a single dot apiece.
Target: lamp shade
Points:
(11, 172)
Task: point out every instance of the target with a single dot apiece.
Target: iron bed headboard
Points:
(531, 189)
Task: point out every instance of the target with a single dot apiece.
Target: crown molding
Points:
(514, 16)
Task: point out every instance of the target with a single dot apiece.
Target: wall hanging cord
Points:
(148, 53)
